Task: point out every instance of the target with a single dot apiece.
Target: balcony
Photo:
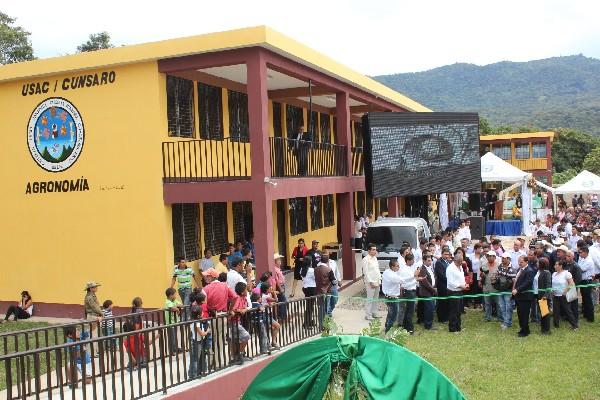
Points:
(205, 160)
(529, 164)
(292, 158)
(358, 161)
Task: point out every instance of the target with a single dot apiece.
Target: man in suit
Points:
(302, 147)
(440, 279)
(523, 293)
(427, 289)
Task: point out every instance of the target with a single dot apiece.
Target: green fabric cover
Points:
(387, 371)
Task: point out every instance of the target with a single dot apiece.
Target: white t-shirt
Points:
(193, 332)
(560, 281)
(309, 280)
(476, 263)
(233, 277)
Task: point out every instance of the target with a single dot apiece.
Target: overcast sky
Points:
(372, 36)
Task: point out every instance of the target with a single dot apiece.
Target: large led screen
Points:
(415, 154)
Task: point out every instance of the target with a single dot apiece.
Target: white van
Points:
(388, 234)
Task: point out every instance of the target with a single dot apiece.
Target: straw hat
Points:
(91, 285)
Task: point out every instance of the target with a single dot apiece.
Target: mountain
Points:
(541, 94)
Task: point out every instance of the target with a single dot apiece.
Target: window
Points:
(334, 127)
(313, 126)
(185, 231)
(277, 126)
(522, 151)
(298, 219)
(242, 220)
(294, 118)
(328, 210)
(316, 212)
(539, 150)
(324, 124)
(215, 227)
(502, 151)
(210, 111)
(238, 116)
(358, 142)
(180, 107)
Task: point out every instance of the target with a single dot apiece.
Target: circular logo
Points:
(55, 134)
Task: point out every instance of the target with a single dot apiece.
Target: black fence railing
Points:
(358, 161)
(294, 158)
(148, 360)
(205, 160)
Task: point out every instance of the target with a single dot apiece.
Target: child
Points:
(136, 308)
(78, 354)
(268, 297)
(199, 341)
(239, 335)
(108, 323)
(258, 321)
(173, 309)
(135, 345)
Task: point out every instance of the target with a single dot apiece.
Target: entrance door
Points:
(281, 236)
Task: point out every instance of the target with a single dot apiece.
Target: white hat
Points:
(563, 248)
(277, 256)
(491, 253)
(505, 255)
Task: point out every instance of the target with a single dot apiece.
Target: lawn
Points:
(487, 363)
(18, 326)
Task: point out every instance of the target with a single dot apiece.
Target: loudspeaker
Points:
(475, 202)
(477, 227)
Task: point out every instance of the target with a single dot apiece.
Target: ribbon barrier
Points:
(464, 296)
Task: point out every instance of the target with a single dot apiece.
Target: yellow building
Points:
(119, 160)
(531, 151)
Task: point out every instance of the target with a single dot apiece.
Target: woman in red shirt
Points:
(298, 257)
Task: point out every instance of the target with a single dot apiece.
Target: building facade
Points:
(531, 152)
(118, 161)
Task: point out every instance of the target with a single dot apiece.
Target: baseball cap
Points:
(211, 272)
(491, 253)
(505, 255)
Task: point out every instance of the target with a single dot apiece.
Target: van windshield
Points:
(390, 238)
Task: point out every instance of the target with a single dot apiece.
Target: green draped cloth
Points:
(385, 370)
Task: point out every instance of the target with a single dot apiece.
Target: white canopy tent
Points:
(585, 182)
(495, 169)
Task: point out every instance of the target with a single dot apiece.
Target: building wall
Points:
(117, 232)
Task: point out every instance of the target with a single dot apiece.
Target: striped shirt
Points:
(108, 323)
(184, 277)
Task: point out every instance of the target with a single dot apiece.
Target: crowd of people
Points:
(543, 278)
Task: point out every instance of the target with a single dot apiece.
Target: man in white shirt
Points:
(332, 300)
(391, 283)
(234, 276)
(464, 231)
(372, 279)
(456, 284)
(515, 253)
(574, 238)
(537, 226)
(408, 290)
(587, 273)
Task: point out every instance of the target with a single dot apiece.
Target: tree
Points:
(558, 178)
(570, 149)
(592, 161)
(97, 41)
(14, 42)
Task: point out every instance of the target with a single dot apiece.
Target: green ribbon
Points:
(464, 296)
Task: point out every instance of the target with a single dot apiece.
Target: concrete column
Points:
(342, 106)
(258, 119)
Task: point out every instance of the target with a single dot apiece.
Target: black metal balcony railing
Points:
(294, 158)
(358, 161)
(153, 357)
(205, 160)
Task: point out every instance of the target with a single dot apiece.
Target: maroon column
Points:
(342, 110)
(393, 207)
(258, 116)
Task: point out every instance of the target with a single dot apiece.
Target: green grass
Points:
(487, 363)
(18, 326)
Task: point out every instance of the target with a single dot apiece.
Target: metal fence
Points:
(205, 160)
(141, 361)
(294, 158)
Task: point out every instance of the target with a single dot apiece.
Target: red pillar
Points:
(342, 106)
(258, 116)
(393, 207)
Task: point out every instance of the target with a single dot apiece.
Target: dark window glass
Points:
(294, 118)
(383, 205)
(390, 238)
(210, 111)
(324, 124)
(539, 150)
(185, 231)
(358, 139)
(369, 205)
(180, 107)
(328, 210)
(242, 220)
(334, 128)
(502, 151)
(298, 218)
(215, 227)
(238, 116)
(522, 151)
(359, 207)
(277, 126)
(313, 126)
(316, 212)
